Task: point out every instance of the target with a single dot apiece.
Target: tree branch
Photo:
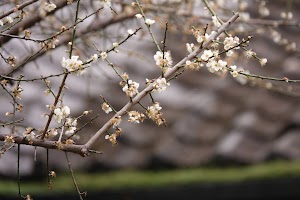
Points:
(18, 7)
(93, 140)
(77, 149)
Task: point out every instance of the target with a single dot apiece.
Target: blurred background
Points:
(223, 140)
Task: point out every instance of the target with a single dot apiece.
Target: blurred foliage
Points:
(117, 180)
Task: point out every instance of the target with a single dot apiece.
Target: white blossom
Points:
(263, 61)
(153, 110)
(52, 133)
(215, 66)
(9, 19)
(115, 44)
(234, 74)
(163, 60)
(190, 47)
(216, 21)
(138, 16)
(86, 112)
(106, 108)
(70, 130)
(61, 113)
(230, 42)
(73, 64)
(71, 122)
(136, 117)
(160, 85)
(103, 55)
(233, 67)
(263, 10)
(49, 7)
(94, 58)
(154, 113)
(131, 88)
(249, 53)
(221, 65)
(149, 22)
(116, 121)
(206, 55)
(112, 138)
(192, 65)
(130, 31)
(1, 23)
(29, 134)
(205, 37)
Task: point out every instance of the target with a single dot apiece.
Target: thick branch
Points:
(77, 149)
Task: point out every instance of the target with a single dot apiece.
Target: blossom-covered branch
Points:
(94, 139)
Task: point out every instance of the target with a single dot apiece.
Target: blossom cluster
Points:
(229, 43)
(113, 137)
(160, 84)
(29, 134)
(153, 112)
(106, 108)
(71, 124)
(73, 65)
(49, 7)
(136, 117)
(61, 113)
(131, 88)
(163, 60)
(8, 19)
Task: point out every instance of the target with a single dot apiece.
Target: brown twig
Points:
(73, 177)
(77, 149)
(17, 7)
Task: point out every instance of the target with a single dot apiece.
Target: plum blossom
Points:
(206, 55)
(153, 112)
(136, 117)
(48, 7)
(216, 21)
(190, 47)
(160, 85)
(61, 113)
(131, 88)
(73, 65)
(149, 22)
(163, 60)
(138, 16)
(106, 108)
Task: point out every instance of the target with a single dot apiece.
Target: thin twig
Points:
(87, 123)
(148, 26)
(17, 7)
(9, 123)
(73, 177)
(18, 171)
